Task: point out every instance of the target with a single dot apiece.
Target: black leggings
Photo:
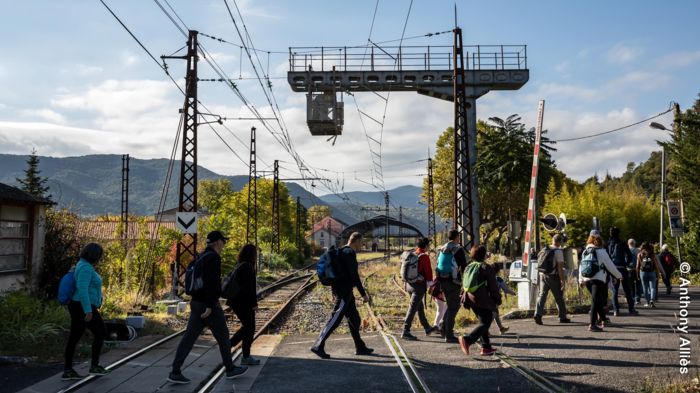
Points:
(77, 328)
(247, 330)
(599, 299)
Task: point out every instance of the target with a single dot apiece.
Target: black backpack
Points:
(545, 260)
(194, 275)
(647, 264)
(229, 286)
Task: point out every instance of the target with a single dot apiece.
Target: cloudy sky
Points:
(74, 82)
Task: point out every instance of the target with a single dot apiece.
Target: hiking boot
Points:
(365, 351)
(408, 336)
(565, 320)
(71, 375)
(538, 319)
(504, 329)
(634, 312)
(652, 304)
(235, 371)
(487, 351)
(451, 340)
(594, 328)
(320, 353)
(178, 378)
(430, 330)
(98, 370)
(464, 344)
(250, 361)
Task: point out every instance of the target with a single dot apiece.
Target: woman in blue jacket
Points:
(84, 311)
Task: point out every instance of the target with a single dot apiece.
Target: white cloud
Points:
(82, 70)
(129, 59)
(622, 53)
(679, 59)
(44, 114)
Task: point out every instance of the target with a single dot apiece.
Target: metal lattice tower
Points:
(401, 228)
(251, 229)
(460, 74)
(432, 230)
(298, 226)
(386, 227)
(187, 195)
(125, 200)
(275, 245)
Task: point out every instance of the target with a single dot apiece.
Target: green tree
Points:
(33, 183)
(684, 174)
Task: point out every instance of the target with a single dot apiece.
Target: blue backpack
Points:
(66, 288)
(324, 267)
(589, 262)
(445, 262)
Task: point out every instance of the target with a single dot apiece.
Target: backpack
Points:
(545, 260)
(647, 264)
(229, 286)
(324, 268)
(194, 275)
(471, 281)
(67, 286)
(589, 262)
(409, 267)
(445, 262)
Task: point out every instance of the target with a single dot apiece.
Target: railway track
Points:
(273, 301)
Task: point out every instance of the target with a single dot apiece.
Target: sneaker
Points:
(250, 361)
(235, 371)
(504, 329)
(98, 370)
(320, 353)
(652, 304)
(430, 330)
(364, 351)
(178, 378)
(615, 313)
(637, 302)
(594, 328)
(408, 336)
(634, 312)
(71, 375)
(538, 319)
(451, 340)
(565, 320)
(488, 351)
(647, 305)
(464, 344)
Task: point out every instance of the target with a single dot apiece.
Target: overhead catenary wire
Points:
(613, 130)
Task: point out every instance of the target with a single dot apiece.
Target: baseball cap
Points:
(214, 236)
(594, 232)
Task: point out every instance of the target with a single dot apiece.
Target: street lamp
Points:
(659, 126)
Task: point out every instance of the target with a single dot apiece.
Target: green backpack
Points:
(470, 281)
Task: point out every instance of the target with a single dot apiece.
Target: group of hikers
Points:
(461, 278)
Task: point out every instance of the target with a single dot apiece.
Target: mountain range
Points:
(91, 185)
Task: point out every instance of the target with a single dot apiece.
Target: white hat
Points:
(664, 247)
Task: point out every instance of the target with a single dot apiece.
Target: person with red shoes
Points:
(417, 290)
(484, 301)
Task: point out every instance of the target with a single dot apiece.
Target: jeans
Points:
(599, 293)
(553, 283)
(216, 321)
(451, 291)
(481, 331)
(77, 328)
(648, 280)
(417, 292)
(247, 330)
(627, 288)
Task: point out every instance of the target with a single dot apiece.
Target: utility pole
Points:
(299, 244)
(401, 227)
(187, 196)
(386, 227)
(275, 246)
(125, 201)
(251, 229)
(432, 231)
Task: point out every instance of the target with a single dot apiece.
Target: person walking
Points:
(484, 302)
(347, 278)
(451, 283)
(551, 277)
(205, 310)
(648, 269)
(84, 312)
(245, 302)
(668, 263)
(636, 284)
(622, 258)
(597, 283)
(417, 291)
(503, 287)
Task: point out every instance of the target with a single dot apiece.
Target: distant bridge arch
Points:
(368, 227)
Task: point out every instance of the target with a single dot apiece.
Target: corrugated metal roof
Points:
(107, 230)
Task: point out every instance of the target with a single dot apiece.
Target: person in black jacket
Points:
(205, 310)
(245, 302)
(346, 279)
(622, 258)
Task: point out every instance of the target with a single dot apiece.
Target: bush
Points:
(29, 324)
(61, 250)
